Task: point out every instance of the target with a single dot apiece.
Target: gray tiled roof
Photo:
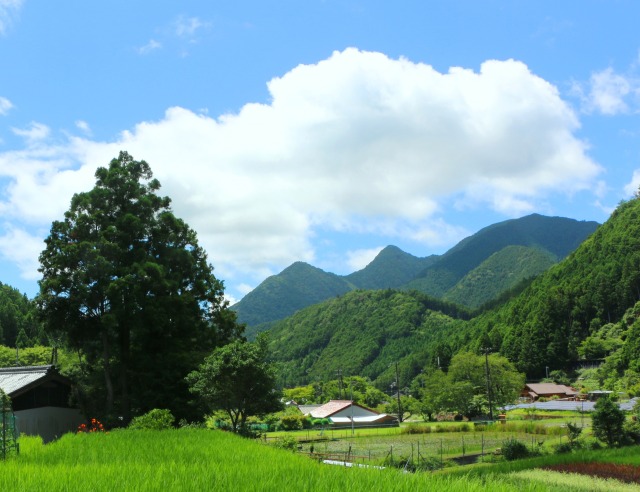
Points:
(13, 379)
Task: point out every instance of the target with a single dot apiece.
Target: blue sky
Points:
(318, 131)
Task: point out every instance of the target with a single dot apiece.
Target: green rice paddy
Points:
(197, 459)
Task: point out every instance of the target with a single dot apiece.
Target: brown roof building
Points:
(535, 391)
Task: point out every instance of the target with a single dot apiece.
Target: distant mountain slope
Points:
(279, 296)
(498, 273)
(390, 269)
(302, 285)
(557, 235)
(596, 284)
(362, 333)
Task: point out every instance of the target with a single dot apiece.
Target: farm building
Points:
(40, 400)
(346, 413)
(534, 391)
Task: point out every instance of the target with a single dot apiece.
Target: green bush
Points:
(513, 449)
(286, 442)
(156, 419)
(290, 422)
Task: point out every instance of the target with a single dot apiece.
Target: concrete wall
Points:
(48, 422)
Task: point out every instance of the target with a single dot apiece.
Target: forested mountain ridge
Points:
(587, 305)
(460, 275)
(391, 268)
(557, 235)
(363, 333)
(595, 285)
(500, 272)
(297, 286)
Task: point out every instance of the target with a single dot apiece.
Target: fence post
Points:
(482, 452)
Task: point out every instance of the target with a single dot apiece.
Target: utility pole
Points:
(488, 375)
(339, 374)
(400, 412)
(352, 424)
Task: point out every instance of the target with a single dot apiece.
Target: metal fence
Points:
(8, 428)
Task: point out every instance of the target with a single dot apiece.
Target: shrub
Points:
(513, 449)
(156, 419)
(563, 447)
(286, 442)
(415, 429)
(290, 422)
(608, 421)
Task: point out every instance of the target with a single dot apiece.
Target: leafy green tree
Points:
(18, 313)
(608, 421)
(505, 381)
(126, 284)
(238, 379)
(300, 394)
(464, 388)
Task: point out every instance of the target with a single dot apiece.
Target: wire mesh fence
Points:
(8, 429)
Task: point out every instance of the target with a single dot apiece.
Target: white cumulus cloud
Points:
(358, 142)
(5, 105)
(8, 10)
(610, 93)
(152, 45)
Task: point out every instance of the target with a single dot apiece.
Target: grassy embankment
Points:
(211, 460)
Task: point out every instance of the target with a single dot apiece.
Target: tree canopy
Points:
(18, 319)
(471, 382)
(125, 283)
(238, 379)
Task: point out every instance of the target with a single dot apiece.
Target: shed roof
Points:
(13, 380)
(334, 406)
(551, 389)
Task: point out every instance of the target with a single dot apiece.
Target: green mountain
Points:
(363, 333)
(391, 268)
(595, 285)
(279, 296)
(467, 273)
(587, 305)
(301, 285)
(500, 272)
(557, 235)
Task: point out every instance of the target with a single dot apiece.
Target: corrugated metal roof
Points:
(13, 379)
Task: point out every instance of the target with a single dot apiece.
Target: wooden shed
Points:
(40, 400)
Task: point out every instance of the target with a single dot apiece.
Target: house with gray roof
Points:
(40, 400)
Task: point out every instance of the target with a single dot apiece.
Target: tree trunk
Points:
(125, 346)
(107, 371)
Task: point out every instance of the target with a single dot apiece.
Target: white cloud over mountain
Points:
(357, 142)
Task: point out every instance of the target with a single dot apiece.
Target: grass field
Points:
(414, 441)
(193, 459)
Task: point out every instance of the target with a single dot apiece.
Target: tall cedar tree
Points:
(126, 284)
